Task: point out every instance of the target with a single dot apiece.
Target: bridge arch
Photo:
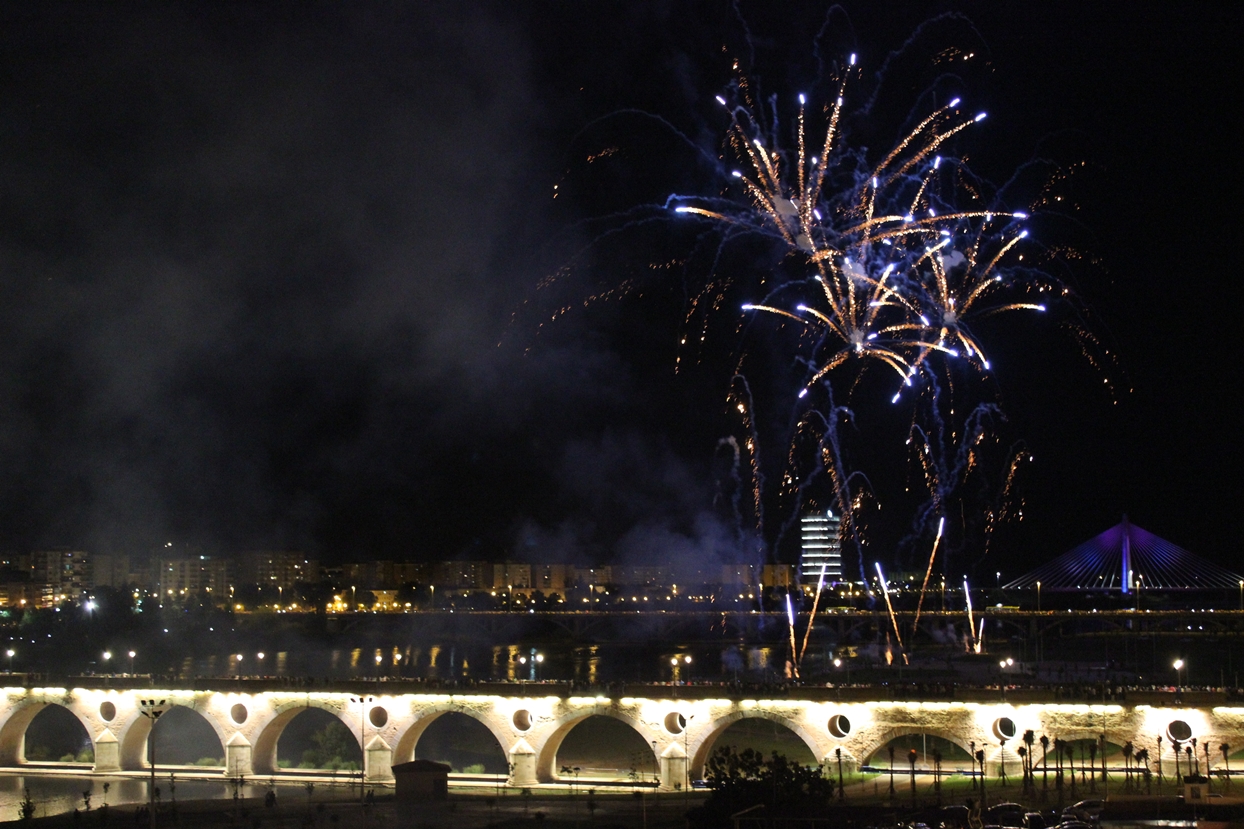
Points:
(22, 713)
(137, 731)
(878, 740)
(269, 731)
(546, 759)
(424, 717)
(701, 750)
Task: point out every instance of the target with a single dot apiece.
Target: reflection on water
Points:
(58, 794)
(513, 662)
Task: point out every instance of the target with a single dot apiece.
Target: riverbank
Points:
(475, 810)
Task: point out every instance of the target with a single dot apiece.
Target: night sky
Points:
(281, 275)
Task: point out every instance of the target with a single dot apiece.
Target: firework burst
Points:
(896, 271)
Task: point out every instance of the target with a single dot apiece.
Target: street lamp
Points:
(10, 653)
(362, 703)
(260, 657)
(238, 659)
(152, 710)
(132, 655)
(1178, 665)
(1038, 597)
(107, 656)
(686, 750)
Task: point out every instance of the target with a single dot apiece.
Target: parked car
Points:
(1086, 811)
(1036, 820)
(954, 817)
(1005, 814)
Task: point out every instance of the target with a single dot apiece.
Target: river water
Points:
(589, 663)
(57, 794)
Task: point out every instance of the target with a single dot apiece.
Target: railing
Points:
(873, 692)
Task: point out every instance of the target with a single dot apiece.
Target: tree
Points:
(742, 779)
(335, 747)
(1030, 738)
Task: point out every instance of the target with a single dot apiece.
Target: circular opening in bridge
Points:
(521, 719)
(675, 722)
(839, 726)
(238, 712)
(378, 716)
(107, 711)
(1179, 731)
(1004, 728)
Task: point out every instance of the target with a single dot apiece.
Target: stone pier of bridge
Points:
(530, 727)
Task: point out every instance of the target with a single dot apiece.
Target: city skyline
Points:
(271, 278)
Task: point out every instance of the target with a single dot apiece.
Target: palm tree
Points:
(1093, 765)
(972, 753)
(891, 750)
(980, 758)
(1029, 739)
(1142, 761)
(1045, 780)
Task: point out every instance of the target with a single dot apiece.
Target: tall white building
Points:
(821, 549)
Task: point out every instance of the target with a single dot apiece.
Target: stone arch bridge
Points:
(531, 724)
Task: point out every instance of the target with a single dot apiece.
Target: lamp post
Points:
(686, 750)
(1178, 665)
(107, 657)
(259, 656)
(10, 653)
(1038, 597)
(152, 710)
(132, 655)
(362, 703)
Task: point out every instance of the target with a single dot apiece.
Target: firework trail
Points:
(889, 270)
(915, 625)
(885, 591)
(896, 272)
